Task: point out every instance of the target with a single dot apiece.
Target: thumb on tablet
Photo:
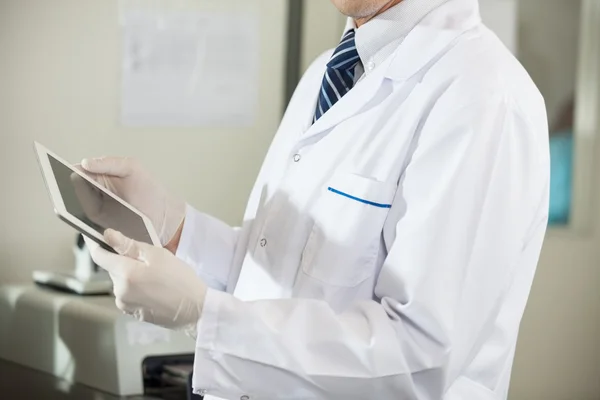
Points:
(115, 166)
(122, 244)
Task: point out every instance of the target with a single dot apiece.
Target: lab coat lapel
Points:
(427, 41)
(350, 104)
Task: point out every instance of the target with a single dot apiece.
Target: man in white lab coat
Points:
(392, 235)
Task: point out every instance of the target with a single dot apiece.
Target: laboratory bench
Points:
(56, 345)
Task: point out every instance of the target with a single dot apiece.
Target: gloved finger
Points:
(79, 168)
(121, 288)
(125, 246)
(120, 305)
(101, 179)
(91, 245)
(114, 166)
(114, 264)
(92, 176)
(135, 312)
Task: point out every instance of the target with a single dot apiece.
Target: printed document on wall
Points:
(189, 69)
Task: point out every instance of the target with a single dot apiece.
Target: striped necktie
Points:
(339, 76)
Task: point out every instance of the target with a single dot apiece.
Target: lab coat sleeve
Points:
(468, 203)
(207, 245)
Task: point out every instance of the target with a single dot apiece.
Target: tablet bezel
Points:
(59, 207)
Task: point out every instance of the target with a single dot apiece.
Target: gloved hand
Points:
(100, 210)
(151, 284)
(126, 178)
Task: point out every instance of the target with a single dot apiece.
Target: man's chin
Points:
(358, 9)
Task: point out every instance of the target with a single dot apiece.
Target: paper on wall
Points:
(189, 68)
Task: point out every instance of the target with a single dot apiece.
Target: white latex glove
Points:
(100, 210)
(151, 284)
(125, 177)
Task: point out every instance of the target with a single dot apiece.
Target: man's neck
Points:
(362, 21)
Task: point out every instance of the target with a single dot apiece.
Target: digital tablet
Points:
(87, 206)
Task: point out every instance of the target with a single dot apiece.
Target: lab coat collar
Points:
(377, 39)
(431, 36)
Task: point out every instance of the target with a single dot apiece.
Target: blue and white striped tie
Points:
(339, 76)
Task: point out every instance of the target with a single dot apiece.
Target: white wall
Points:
(59, 84)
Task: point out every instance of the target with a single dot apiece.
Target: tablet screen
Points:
(93, 207)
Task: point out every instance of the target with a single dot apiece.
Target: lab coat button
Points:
(244, 397)
(297, 157)
(263, 242)
(370, 65)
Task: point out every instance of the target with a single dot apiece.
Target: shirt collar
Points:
(377, 39)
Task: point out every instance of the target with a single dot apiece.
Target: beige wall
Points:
(548, 47)
(322, 28)
(558, 356)
(59, 84)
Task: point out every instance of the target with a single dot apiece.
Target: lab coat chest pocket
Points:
(349, 215)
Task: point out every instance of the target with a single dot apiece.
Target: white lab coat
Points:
(388, 250)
